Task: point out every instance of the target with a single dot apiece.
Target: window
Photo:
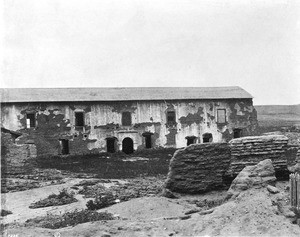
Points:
(171, 119)
(207, 137)
(237, 133)
(190, 140)
(30, 120)
(79, 119)
(221, 116)
(126, 118)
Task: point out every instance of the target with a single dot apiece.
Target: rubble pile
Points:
(259, 175)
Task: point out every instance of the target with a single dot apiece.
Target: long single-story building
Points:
(91, 120)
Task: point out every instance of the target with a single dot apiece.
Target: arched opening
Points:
(111, 144)
(148, 139)
(190, 140)
(207, 137)
(127, 145)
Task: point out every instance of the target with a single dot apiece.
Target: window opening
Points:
(30, 120)
(221, 116)
(190, 140)
(126, 118)
(207, 137)
(79, 119)
(171, 118)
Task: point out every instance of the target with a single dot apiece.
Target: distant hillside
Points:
(278, 109)
(274, 117)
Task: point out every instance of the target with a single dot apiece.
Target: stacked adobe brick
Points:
(251, 150)
(15, 158)
(203, 167)
(198, 168)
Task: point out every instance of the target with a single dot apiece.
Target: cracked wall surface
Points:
(55, 121)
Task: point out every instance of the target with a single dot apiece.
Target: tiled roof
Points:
(120, 94)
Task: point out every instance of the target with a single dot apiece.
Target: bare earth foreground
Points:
(255, 212)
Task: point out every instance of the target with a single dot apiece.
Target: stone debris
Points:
(207, 212)
(168, 194)
(259, 175)
(272, 189)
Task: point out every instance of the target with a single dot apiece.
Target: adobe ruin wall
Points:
(251, 150)
(15, 157)
(204, 167)
(198, 167)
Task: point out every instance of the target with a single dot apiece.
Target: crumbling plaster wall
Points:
(104, 119)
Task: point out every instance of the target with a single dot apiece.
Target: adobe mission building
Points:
(91, 120)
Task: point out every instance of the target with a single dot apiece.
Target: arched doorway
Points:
(127, 145)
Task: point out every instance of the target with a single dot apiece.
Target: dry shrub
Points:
(55, 200)
(68, 219)
(5, 212)
(101, 201)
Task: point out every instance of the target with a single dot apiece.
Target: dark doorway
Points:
(111, 144)
(207, 137)
(237, 133)
(64, 146)
(190, 140)
(127, 145)
(148, 139)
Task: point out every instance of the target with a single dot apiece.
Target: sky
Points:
(254, 44)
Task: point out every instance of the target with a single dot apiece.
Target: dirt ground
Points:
(254, 212)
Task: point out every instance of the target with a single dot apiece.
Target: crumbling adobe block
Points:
(198, 168)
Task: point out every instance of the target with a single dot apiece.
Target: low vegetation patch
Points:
(101, 201)
(10, 185)
(92, 191)
(68, 219)
(89, 182)
(55, 200)
(5, 212)
(103, 197)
